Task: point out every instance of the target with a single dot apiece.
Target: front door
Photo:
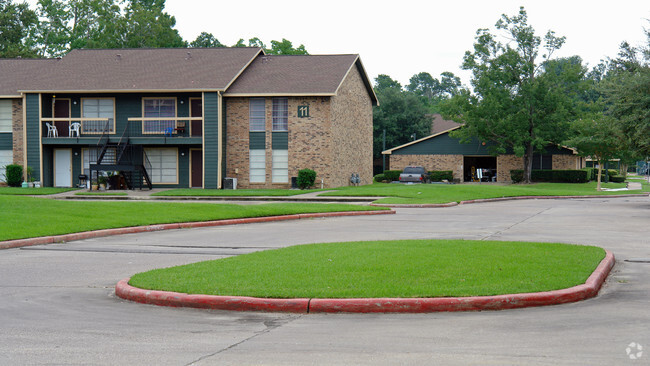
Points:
(196, 156)
(63, 168)
(62, 110)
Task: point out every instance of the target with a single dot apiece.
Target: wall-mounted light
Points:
(182, 101)
(182, 154)
(76, 153)
(74, 102)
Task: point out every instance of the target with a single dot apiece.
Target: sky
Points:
(406, 37)
(403, 38)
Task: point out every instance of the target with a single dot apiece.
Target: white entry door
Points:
(63, 168)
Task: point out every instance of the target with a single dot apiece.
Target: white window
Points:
(257, 166)
(164, 165)
(280, 114)
(163, 107)
(257, 114)
(97, 108)
(280, 166)
(5, 115)
(6, 158)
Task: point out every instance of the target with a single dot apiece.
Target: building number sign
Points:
(303, 111)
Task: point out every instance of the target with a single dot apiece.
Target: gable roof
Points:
(148, 69)
(299, 75)
(439, 124)
(17, 73)
(390, 151)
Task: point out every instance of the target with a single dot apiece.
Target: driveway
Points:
(57, 304)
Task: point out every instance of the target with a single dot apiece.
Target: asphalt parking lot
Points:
(57, 304)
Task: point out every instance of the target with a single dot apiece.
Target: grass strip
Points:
(444, 193)
(27, 217)
(235, 192)
(407, 268)
(16, 191)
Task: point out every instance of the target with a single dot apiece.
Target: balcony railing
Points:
(136, 127)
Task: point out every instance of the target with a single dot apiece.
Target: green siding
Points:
(33, 139)
(257, 140)
(280, 140)
(444, 145)
(76, 165)
(211, 139)
(183, 167)
(48, 167)
(6, 141)
(224, 152)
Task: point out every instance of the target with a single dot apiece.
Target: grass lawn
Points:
(235, 192)
(444, 193)
(109, 193)
(409, 268)
(15, 191)
(26, 217)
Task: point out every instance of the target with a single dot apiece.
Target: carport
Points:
(487, 165)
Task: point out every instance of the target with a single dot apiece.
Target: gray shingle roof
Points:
(16, 74)
(146, 69)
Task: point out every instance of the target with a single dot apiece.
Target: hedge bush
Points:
(440, 175)
(380, 178)
(616, 178)
(392, 175)
(555, 176)
(592, 174)
(306, 178)
(14, 175)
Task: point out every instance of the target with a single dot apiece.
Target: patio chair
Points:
(51, 130)
(75, 127)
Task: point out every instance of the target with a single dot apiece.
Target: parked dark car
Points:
(414, 174)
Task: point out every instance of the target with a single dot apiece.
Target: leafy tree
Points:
(424, 84)
(401, 113)
(145, 24)
(285, 47)
(599, 137)
(206, 40)
(432, 90)
(518, 102)
(17, 21)
(626, 91)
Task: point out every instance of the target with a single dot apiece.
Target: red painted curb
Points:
(498, 199)
(183, 225)
(374, 305)
(237, 303)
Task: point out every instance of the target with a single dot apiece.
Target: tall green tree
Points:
(432, 90)
(285, 47)
(17, 21)
(206, 40)
(626, 91)
(146, 24)
(518, 100)
(401, 113)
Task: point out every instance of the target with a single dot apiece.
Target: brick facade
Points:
(430, 162)
(506, 163)
(566, 162)
(17, 131)
(335, 140)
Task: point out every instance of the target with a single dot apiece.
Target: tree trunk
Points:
(600, 171)
(528, 164)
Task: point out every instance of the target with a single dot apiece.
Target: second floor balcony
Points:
(183, 130)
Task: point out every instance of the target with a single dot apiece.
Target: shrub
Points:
(516, 175)
(392, 175)
(306, 178)
(440, 175)
(380, 178)
(591, 173)
(14, 175)
(616, 178)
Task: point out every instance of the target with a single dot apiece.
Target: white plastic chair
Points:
(75, 127)
(51, 130)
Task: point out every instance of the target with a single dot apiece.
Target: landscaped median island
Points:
(29, 217)
(446, 193)
(406, 269)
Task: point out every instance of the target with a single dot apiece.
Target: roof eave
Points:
(390, 151)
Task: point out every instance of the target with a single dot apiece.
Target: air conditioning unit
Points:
(230, 183)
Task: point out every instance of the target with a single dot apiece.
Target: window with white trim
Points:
(5, 115)
(164, 165)
(257, 114)
(280, 166)
(280, 114)
(257, 166)
(97, 108)
(163, 107)
(6, 158)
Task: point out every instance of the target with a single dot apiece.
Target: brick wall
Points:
(430, 162)
(17, 131)
(506, 163)
(237, 144)
(351, 132)
(565, 162)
